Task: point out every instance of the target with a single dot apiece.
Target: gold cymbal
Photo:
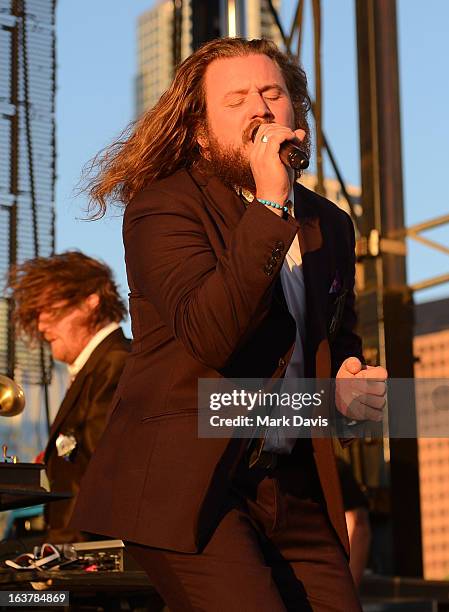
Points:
(12, 397)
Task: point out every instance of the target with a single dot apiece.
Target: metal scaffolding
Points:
(27, 171)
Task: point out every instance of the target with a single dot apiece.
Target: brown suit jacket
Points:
(206, 301)
(82, 414)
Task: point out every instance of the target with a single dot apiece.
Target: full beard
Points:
(230, 165)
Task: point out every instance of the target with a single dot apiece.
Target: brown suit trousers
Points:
(274, 550)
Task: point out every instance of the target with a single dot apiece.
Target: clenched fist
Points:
(360, 391)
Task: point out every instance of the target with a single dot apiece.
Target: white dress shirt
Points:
(87, 351)
(292, 280)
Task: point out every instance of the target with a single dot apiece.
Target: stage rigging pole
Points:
(385, 302)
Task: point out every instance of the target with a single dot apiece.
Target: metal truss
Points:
(27, 172)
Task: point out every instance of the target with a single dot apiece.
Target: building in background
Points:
(431, 350)
(155, 33)
(259, 20)
(334, 193)
(155, 51)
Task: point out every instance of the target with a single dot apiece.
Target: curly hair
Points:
(163, 140)
(59, 283)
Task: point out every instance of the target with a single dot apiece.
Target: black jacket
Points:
(83, 415)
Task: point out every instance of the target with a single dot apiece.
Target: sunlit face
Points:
(68, 332)
(242, 92)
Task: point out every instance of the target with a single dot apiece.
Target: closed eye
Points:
(236, 102)
(272, 95)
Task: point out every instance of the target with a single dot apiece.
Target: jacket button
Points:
(280, 245)
(281, 362)
(272, 261)
(276, 253)
(268, 269)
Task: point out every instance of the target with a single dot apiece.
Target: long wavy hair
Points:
(164, 139)
(58, 284)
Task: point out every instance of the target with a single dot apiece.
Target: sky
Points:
(96, 68)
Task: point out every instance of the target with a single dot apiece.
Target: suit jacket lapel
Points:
(76, 387)
(67, 403)
(313, 241)
(69, 399)
(317, 270)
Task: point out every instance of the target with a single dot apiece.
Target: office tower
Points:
(431, 351)
(259, 20)
(155, 35)
(155, 51)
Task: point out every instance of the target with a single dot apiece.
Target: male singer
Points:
(235, 271)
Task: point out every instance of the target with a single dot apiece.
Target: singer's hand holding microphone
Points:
(272, 176)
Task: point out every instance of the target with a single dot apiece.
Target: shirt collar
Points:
(87, 351)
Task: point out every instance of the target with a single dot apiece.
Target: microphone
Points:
(293, 156)
(290, 154)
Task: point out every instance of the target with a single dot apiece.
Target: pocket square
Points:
(336, 284)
